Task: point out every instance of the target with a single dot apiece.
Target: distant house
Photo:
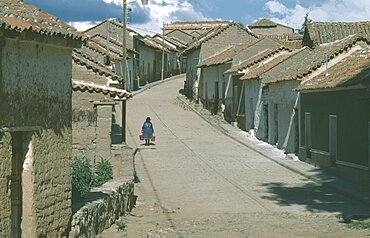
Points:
(335, 116)
(172, 66)
(113, 31)
(317, 33)
(35, 121)
(180, 35)
(151, 60)
(208, 44)
(265, 27)
(282, 102)
(243, 94)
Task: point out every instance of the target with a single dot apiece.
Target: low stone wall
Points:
(102, 207)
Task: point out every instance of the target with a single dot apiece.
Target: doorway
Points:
(217, 97)
(16, 184)
(333, 139)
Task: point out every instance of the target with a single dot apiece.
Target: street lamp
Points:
(124, 62)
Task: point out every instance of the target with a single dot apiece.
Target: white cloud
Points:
(168, 11)
(82, 25)
(277, 7)
(159, 11)
(328, 10)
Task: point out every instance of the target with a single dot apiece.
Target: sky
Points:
(83, 14)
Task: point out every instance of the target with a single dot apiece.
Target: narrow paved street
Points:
(196, 182)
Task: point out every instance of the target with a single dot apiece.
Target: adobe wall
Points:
(5, 172)
(30, 75)
(92, 125)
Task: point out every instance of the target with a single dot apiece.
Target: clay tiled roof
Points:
(195, 25)
(95, 88)
(152, 44)
(257, 71)
(349, 71)
(213, 33)
(255, 59)
(225, 55)
(86, 60)
(317, 33)
(101, 30)
(19, 16)
(166, 45)
(264, 23)
(308, 60)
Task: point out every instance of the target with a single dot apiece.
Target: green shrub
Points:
(103, 173)
(81, 176)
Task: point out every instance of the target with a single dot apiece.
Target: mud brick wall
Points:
(5, 172)
(114, 199)
(35, 91)
(92, 125)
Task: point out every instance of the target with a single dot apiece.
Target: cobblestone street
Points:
(198, 182)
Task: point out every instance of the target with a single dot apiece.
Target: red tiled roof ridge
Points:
(101, 50)
(347, 42)
(351, 66)
(21, 16)
(96, 66)
(256, 59)
(206, 37)
(92, 87)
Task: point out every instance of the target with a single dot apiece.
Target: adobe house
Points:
(244, 78)
(335, 120)
(180, 35)
(265, 27)
(207, 45)
(112, 30)
(96, 116)
(35, 121)
(283, 102)
(95, 129)
(317, 33)
(151, 60)
(172, 66)
(218, 86)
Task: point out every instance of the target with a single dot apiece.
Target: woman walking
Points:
(147, 130)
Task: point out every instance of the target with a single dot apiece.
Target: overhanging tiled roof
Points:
(225, 55)
(256, 59)
(308, 60)
(257, 71)
(86, 60)
(152, 44)
(349, 71)
(19, 16)
(213, 33)
(324, 32)
(95, 88)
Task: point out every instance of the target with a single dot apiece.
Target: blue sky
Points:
(148, 19)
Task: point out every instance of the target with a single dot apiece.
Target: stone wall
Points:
(113, 200)
(35, 102)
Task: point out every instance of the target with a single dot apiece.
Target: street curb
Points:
(338, 188)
